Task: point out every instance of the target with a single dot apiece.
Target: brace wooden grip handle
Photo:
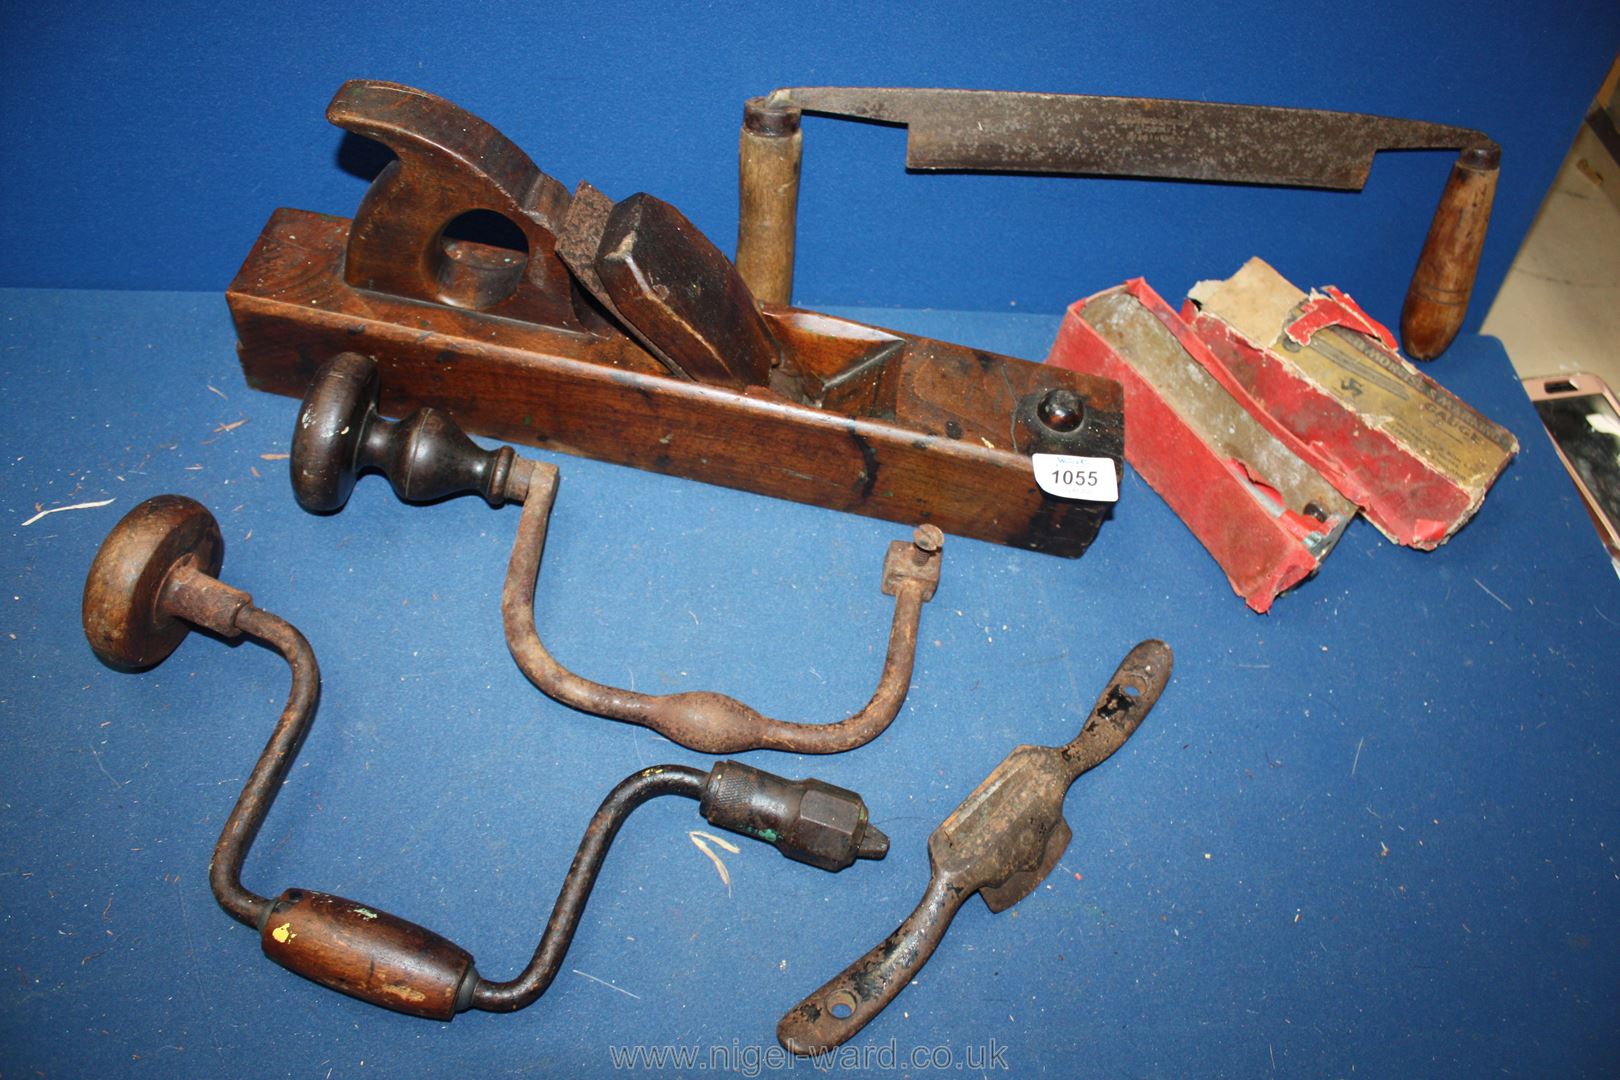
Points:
(768, 155)
(368, 954)
(1437, 299)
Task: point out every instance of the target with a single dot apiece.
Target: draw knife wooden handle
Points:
(1437, 299)
(768, 154)
(1004, 839)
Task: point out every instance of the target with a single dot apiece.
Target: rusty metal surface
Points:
(702, 720)
(426, 456)
(1153, 138)
(1001, 842)
(247, 816)
(1011, 131)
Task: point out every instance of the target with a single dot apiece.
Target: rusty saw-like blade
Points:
(1011, 131)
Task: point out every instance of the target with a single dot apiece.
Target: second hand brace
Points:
(426, 456)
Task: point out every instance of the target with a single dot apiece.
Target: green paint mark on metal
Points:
(767, 835)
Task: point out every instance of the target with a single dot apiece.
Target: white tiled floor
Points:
(1559, 309)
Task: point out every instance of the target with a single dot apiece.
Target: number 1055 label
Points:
(1072, 477)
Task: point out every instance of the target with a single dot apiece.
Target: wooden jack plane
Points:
(623, 334)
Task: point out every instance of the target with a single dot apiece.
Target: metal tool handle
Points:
(150, 584)
(1437, 299)
(1137, 683)
(1002, 841)
(851, 999)
(702, 720)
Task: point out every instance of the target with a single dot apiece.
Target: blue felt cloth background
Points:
(1373, 831)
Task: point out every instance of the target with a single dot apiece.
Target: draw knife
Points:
(1008, 131)
(1001, 843)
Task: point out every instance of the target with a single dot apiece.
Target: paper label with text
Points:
(1073, 477)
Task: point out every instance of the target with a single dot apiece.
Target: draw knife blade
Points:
(1000, 842)
(1015, 131)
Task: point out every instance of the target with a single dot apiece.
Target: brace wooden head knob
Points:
(130, 618)
(426, 456)
(340, 405)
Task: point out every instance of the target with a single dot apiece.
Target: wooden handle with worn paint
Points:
(1437, 299)
(370, 954)
(768, 155)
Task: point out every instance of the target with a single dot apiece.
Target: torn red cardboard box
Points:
(1329, 380)
(1266, 515)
